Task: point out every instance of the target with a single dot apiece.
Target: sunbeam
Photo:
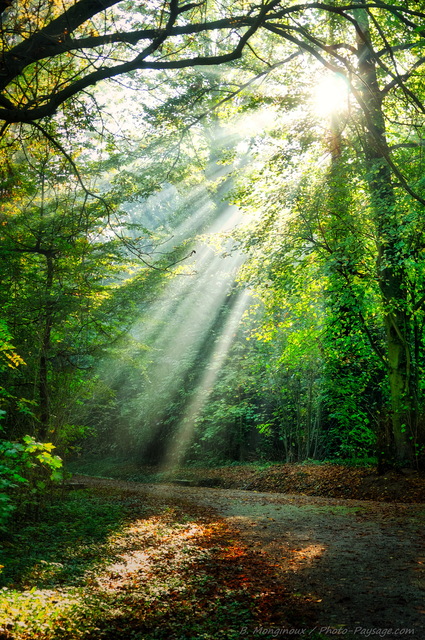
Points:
(188, 327)
(184, 432)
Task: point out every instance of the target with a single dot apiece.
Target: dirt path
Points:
(361, 562)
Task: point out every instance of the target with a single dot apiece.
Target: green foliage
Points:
(74, 276)
(43, 569)
(27, 469)
(8, 357)
(334, 246)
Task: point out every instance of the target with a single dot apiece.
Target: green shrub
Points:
(27, 469)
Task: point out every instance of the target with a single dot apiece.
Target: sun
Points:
(330, 95)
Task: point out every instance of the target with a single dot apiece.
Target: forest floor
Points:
(325, 480)
(352, 567)
(182, 562)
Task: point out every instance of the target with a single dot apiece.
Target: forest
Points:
(212, 237)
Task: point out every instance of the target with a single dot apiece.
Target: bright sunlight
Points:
(330, 95)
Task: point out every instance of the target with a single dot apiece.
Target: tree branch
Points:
(138, 63)
(34, 48)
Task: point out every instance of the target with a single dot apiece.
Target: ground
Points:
(349, 567)
(317, 551)
(326, 480)
(330, 480)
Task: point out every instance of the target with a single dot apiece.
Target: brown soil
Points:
(359, 563)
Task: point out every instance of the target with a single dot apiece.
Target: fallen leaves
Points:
(165, 571)
(327, 480)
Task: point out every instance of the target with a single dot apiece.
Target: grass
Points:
(107, 467)
(116, 565)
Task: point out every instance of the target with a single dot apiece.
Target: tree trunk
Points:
(389, 264)
(43, 385)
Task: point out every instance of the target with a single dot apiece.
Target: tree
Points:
(41, 40)
(371, 91)
(393, 195)
(70, 278)
(53, 55)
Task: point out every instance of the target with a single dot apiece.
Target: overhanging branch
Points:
(140, 62)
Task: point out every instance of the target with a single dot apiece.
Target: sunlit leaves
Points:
(65, 255)
(8, 357)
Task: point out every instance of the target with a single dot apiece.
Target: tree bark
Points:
(389, 264)
(43, 385)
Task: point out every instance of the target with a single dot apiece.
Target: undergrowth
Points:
(118, 565)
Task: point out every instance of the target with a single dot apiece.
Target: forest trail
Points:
(361, 563)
